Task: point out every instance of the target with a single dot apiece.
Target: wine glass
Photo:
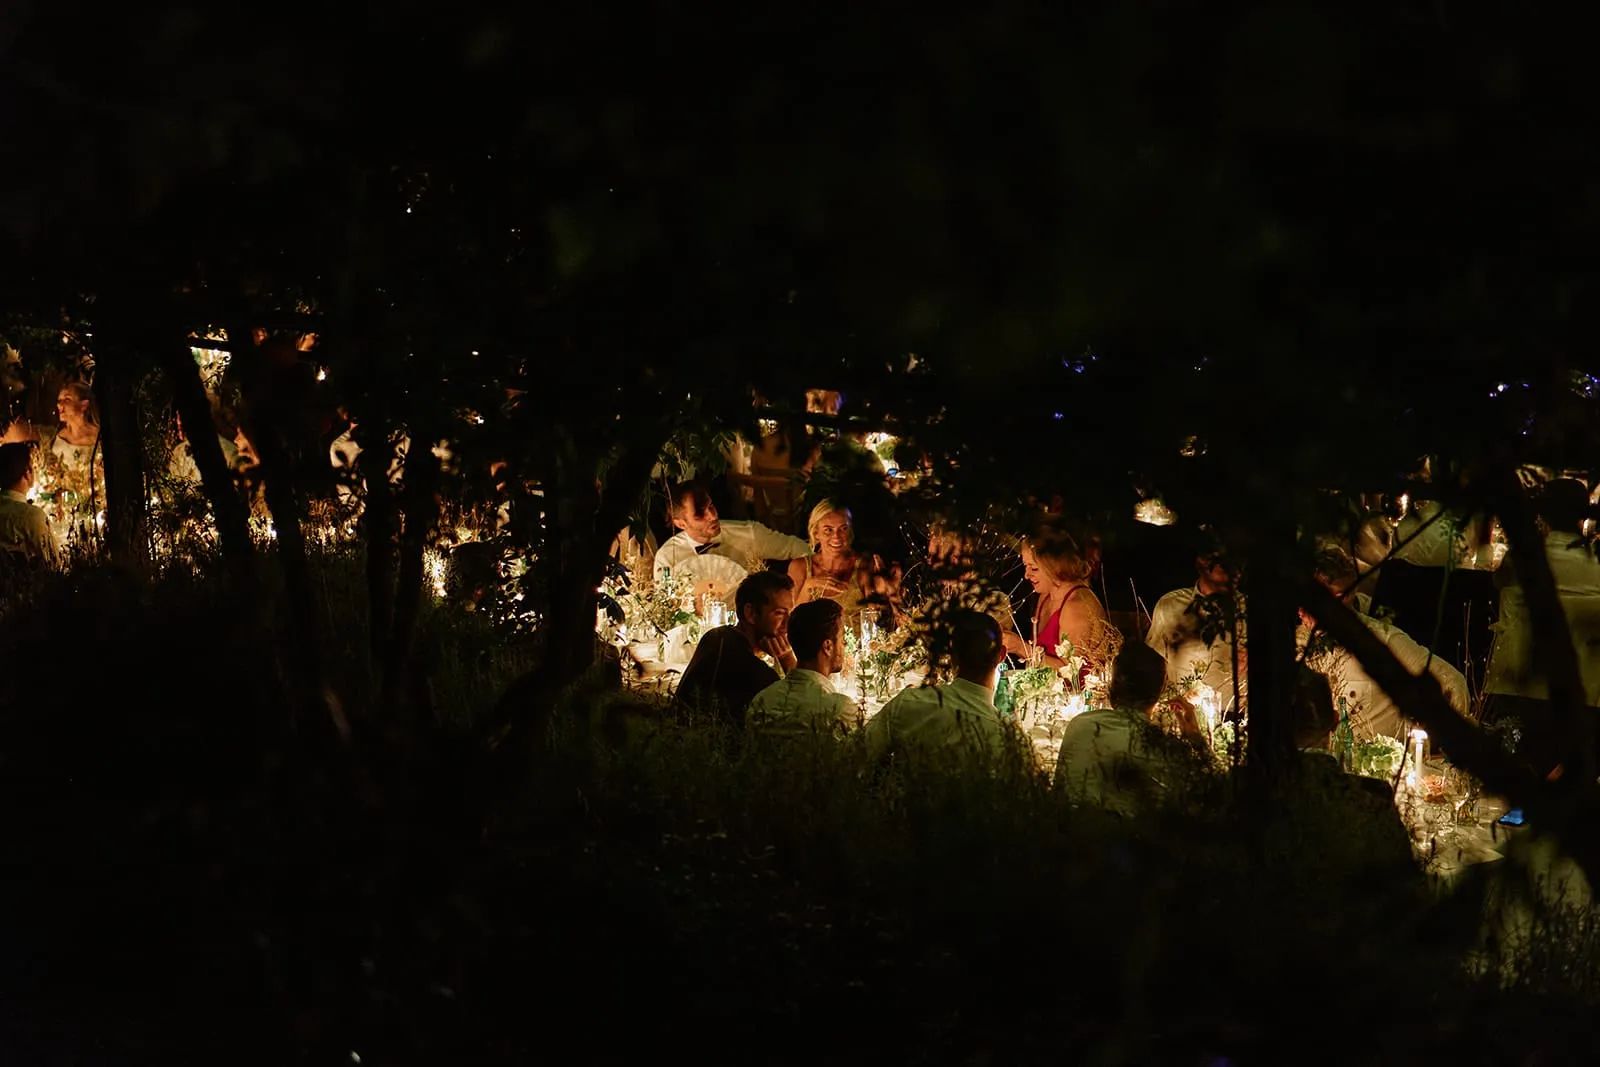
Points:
(1463, 790)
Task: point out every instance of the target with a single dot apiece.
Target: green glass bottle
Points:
(1344, 743)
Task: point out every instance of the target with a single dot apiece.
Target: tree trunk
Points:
(127, 532)
(379, 524)
(575, 565)
(421, 491)
(227, 507)
(1554, 656)
(263, 424)
(1271, 621)
(581, 525)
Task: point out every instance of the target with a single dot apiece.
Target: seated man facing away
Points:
(1340, 823)
(1372, 711)
(701, 534)
(804, 701)
(25, 537)
(957, 720)
(1115, 758)
(725, 672)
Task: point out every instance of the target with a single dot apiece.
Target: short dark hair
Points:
(1137, 677)
(692, 491)
(758, 590)
(1564, 504)
(812, 624)
(1335, 565)
(16, 460)
(974, 640)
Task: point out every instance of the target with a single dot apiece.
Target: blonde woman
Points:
(75, 452)
(835, 570)
(1058, 567)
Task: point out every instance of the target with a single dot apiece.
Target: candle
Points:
(1208, 710)
(1418, 738)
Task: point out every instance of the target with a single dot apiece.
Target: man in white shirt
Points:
(1175, 628)
(1372, 711)
(702, 536)
(25, 536)
(804, 702)
(958, 721)
(1115, 758)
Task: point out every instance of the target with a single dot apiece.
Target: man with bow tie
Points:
(702, 537)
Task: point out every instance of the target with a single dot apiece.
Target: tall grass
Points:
(195, 880)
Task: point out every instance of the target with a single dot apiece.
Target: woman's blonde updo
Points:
(1060, 554)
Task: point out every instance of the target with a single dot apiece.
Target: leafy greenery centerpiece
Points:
(651, 611)
(1188, 704)
(1034, 690)
(1378, 757)
(881, 658)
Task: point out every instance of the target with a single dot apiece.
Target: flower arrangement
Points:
(1180, 697)
(1378, 757)
(1082, 671)
(651, 607)
(1188, 704)
(1030, 684)
(882, 657)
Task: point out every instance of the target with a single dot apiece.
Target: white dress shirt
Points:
(1372, 711)
(25, 531)
(1511, 669)
(1105, 760)
(803, 703)
(1175, 633)
(748, 544)
(957, 719)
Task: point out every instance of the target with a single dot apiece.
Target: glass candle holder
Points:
(1419, 740)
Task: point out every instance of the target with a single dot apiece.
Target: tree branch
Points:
(227, 509)
(1553, 652)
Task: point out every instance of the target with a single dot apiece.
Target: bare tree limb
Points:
(1565, 808)
(1555, 658)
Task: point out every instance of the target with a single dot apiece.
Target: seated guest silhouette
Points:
(725, 673)
(804, 702)
(1115, 758)
(955, 722)
(25, 537)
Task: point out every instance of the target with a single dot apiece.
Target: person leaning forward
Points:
(726, 673)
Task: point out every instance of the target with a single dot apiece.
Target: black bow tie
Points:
(701, 550)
